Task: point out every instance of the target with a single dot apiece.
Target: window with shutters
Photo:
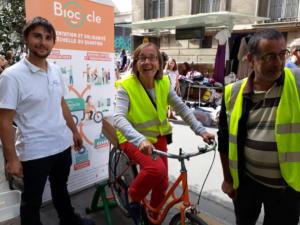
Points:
(205, 6)
(279, 9)
(154, 9)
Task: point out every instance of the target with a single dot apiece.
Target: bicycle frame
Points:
(184, 198)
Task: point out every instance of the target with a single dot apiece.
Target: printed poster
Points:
(84, 52)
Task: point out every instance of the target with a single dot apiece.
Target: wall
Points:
(181, 7)
(137, 10)
(187, 50)
(243, 6)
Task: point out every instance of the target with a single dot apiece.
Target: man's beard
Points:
(44, 56)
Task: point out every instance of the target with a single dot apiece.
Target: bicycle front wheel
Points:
(191, 219)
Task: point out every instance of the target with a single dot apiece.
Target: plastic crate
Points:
(10, 207)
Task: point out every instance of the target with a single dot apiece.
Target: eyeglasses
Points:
(151, 58)
(272, 56)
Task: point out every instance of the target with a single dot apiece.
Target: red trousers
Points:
(153, 175)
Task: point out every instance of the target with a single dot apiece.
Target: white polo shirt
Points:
(36, 95)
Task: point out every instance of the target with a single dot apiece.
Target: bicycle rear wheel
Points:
(121, 175)
(191, 219)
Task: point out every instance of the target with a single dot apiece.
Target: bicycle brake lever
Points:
(202, 150)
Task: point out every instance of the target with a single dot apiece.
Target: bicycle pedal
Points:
(137, 212)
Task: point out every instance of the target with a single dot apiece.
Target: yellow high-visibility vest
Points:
(287, 128)
(144, 117)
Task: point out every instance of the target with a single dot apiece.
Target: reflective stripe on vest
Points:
(143, 116)
(233, 164)
(233, 138)
(154, 134)
(289, 157)
(287, 128)
(150, 123)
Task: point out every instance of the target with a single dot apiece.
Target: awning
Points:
(214, 19)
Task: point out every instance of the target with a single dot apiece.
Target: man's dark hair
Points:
(38, 21)
(268, 34)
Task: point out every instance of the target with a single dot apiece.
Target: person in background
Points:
(117, 73)
(3, 63)
(165, 58)
(32, 95)
(185, 69)
(141, 121)
(172, 72)
(294, 61)
(123, 60)
(259, 136)
(9, 56)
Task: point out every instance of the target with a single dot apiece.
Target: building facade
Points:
(283, 14)
(123, 15)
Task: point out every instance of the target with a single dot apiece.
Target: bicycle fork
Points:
(187, 205)
(187, 208)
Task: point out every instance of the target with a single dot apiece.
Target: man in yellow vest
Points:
(259, 136)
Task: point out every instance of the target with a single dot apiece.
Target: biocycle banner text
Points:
(84, 54)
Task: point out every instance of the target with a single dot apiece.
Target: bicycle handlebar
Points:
(183, 155)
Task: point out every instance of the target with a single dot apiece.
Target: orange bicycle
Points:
(122, 171)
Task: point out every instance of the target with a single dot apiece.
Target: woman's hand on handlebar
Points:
(208, 137)
(146, 147)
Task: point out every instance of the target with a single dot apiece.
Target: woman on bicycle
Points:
(141, 120)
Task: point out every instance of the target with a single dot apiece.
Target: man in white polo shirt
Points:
(31, 95)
